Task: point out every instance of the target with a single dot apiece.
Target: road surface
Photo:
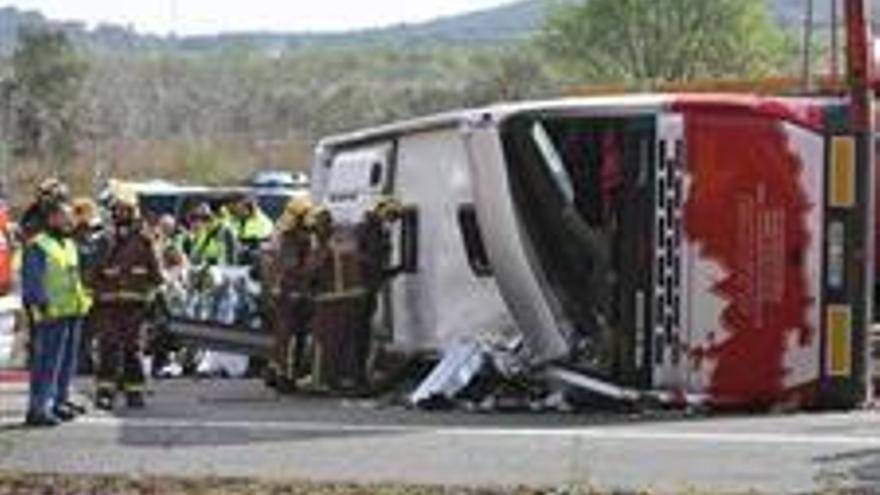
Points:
(237, 428)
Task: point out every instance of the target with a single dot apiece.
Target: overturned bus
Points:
(704, 247)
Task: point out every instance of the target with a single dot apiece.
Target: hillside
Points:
(511, 21)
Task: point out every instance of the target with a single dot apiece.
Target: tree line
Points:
(215, 116)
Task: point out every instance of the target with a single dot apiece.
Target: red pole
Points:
(860, 62)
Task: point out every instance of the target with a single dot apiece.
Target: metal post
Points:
(808, 49)
(860, 63)
(835, 44)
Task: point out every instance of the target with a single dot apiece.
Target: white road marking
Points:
(606, 433)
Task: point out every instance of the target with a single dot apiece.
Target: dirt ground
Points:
(37, 484)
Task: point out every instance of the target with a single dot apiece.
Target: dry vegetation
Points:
(19, 484)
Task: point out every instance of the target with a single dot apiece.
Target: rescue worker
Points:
(32, 222)
(252, 228)
(56, 301)
(374, 252)
(88, 233)
(340, 303)
(125, 281)
(212, 242)
(167, 236)
(288, 276)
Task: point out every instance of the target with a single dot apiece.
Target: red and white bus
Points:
(708, 246)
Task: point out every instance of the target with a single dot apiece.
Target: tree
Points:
(644, 42)
(43, 97)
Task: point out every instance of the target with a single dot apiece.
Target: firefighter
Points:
(252, 228)
(56, 301)
(374, 255)
(125, 282)
(289, 278)
(340, 302)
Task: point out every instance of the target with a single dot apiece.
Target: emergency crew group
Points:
(88, 287)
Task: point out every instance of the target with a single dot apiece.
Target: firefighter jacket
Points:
(340, 271)
(294, 265)
(129, 271)
(374, 249)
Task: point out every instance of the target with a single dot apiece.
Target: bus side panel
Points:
(445, 300)
(752, 261)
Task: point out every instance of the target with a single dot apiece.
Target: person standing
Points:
(125, 281)
(289, 278)
(212, 241)
(88, 234)
(56, 301)
(374, 250)
(340, 303)
(253, 228)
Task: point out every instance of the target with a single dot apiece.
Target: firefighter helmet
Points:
(295, 214)
(52, 189)
(387, 208)
(320, 220)
(85, 211)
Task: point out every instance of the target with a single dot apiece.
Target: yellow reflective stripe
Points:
(125, 296)
(839, 328)
(338, 296)
(842, 183)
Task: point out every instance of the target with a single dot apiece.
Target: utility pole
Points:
(860, 78)
(808, 48)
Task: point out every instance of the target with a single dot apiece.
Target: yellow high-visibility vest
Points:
(256, 227)
(62, 281)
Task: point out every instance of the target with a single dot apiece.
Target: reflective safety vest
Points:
(209, 245)
(256, 227)
(62, 281)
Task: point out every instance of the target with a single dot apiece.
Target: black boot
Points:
(135, 400)
(41, 420)
(76, 408)
(104, 400)
(63, 413)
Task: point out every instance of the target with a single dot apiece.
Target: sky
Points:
(212, 16)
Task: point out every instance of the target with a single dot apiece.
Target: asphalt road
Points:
(236, 428)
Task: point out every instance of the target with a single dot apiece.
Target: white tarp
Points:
(9, 306)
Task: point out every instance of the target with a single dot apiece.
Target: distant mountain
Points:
(507, 22)
(512, 21)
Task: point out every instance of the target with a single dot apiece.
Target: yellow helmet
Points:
(319, 219)
(85, 211)
(299, 207)
(387, 208)
(295, 213)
